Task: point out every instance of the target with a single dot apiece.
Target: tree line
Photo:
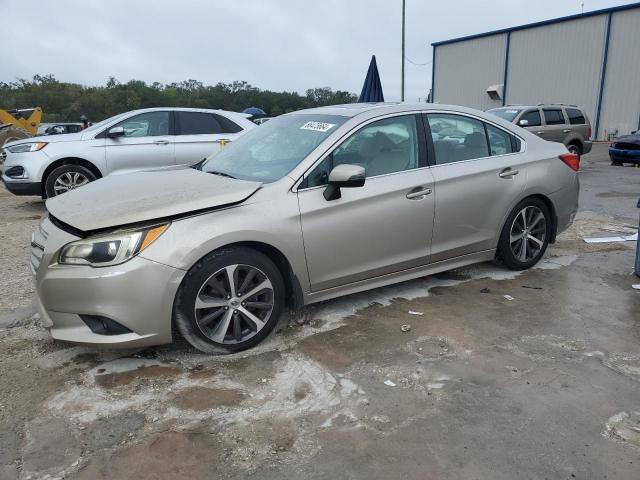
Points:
(66, 102)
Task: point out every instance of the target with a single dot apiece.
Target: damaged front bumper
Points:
(126, 305)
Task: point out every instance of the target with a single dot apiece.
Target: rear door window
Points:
(576, 117)
(457, 138)
(201, 123)
(553, 116)
(533, 117)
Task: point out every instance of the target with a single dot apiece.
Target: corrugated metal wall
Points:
(621, 96)
(558, 63)
(465, 70)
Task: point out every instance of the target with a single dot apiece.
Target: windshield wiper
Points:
(222, 174)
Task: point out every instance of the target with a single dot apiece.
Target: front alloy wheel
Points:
(234, 304)
(230, 300)
(67, 177)
(68, 181)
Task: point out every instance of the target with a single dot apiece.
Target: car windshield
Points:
(97, 126)
(507, 114)
(269, 152)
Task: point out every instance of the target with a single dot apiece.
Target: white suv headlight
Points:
(107, 250)
(26, 147)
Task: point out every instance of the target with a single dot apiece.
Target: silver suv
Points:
(309, 206)
(138, 140)
(554, 122)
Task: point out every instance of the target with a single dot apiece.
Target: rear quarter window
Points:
(576, 117)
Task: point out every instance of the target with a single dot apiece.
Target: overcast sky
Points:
(277, 44)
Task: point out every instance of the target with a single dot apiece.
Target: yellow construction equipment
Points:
(16, 128)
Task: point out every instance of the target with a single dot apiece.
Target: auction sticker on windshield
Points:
(318, 126)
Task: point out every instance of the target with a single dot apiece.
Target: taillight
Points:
(589, 133)
(572, 160)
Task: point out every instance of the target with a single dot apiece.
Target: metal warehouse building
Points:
(591, 60)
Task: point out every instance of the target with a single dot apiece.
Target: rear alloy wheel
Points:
(67, 177)
(573, 148)
(525, 235)
(229, 301)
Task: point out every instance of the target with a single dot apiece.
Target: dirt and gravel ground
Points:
(546, 385)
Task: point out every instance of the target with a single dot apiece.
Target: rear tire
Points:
(525, 235)
(575, 148)
(10, 134)
(67, 177)
(215, 310)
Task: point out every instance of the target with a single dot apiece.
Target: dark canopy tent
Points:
(254, 111)
(372, 88)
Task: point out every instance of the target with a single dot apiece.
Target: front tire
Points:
(65, 178)
(229, 301)
(525, 235)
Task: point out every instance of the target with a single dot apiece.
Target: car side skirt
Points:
(402, 276)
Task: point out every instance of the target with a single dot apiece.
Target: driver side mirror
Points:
(343, 176)
(523, 123)
(115, 132)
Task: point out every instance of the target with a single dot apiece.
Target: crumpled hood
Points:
(136, 197)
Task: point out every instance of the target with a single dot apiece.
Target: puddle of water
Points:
(125, 371)
(548, 347)
(299, 386)
(202, 398)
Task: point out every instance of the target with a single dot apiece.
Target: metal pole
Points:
(402, 75)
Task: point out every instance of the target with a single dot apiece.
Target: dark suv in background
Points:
(566, 124)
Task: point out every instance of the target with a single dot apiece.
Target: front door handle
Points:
(418, 193)
(508, 173)
(161, 142)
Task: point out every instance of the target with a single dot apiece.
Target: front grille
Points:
(38, 241)
(626, 146)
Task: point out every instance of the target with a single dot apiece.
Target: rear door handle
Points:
(566, 131)
(508, 173)
(418, 193)
(539, 133)
(161, 142)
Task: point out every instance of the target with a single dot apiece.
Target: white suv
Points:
(137, 140)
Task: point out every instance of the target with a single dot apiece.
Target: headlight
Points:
(27, 147)
(106, 250)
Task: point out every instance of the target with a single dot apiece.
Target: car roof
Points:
(380, 108)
